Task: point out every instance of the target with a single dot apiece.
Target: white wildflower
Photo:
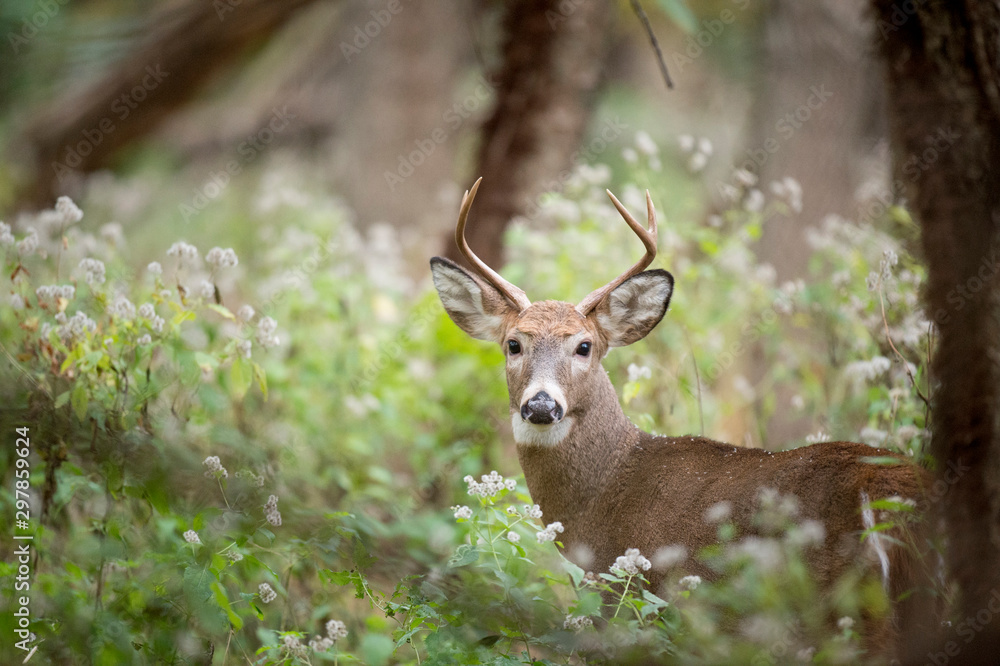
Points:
(817, 437)
(668, 556)
(214, 466)
(16, 301)
(70, 212)
(462, 512)
(686, 142)
(492, 484)
(265, 333)
(182, 251)
(271, 512)
(873, 436)
(513, 536)
(697, 162)
(745, 178)
(245, 313)
(155, 268)
(234, 556)
(631, 562)
(512, 510)
(192, 537)
(144, 339)
(808, 533)
(637, 372)
(94, 271)
(532, 511)
(222, 258)
(872, 281)
(267, 593)
(156, 323)
(645, 144)
(122, 308)
(765, 553)
(336, 630)
(29, 243)
(147, 311)
(690, 582)
(630, 156)
(244, 348)
(754, 202)
(705, 145)
(320, 643)
(206, 290)
(798, 402)
(718, 512)
(805, 655)
(845, 623)
(577, 622)
(550, 532)
(867, 370)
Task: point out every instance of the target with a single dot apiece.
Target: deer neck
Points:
(566, 478)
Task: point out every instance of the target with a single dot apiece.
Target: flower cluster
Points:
(183, 251)
(271, 511)
(29, 243)
(222, 258)
(6, 237)
(70, 212)
(122, 308)
(267, 593)
(718, 512)
(215, 467)
(70, 329)
(698, 150)
(513, 536)
(155, 268)
(577, 623)
(637, 372)
(865, 371)
(533, 511)
(550, 531)
(817, 437)
(192, 537)
(690, 582)
(336, 629)
(631, 562)
(234, 556)
(265, 333)
(244, 348)
(54, 291)
(790, 191)
(492, 484)
(94, 271)
(245, 313)
(462, 512)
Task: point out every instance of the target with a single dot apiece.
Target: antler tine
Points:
(648, 238)
(512, 292)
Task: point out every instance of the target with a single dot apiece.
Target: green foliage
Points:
(168, 423)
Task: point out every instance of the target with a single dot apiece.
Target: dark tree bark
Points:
(185, 49)
(944, 112)
(551, 69)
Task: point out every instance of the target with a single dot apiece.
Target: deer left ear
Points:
(634, 307)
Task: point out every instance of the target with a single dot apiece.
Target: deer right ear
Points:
(477, 308)
(634, 307)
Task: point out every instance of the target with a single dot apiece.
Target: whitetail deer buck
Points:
(615, 487)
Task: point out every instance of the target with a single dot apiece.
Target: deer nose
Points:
(541, 409)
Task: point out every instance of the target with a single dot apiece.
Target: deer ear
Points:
(634, 307)
(477, 308)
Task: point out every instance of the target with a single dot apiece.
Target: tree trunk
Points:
(186, 47)
(944, 112)
(551, 69)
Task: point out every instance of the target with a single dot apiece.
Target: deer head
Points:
(553, 349)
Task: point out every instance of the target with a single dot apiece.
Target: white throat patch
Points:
(540, 435)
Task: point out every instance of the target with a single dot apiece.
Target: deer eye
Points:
(583, 349)
(513, 346)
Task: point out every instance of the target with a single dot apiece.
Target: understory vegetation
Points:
(283, 451)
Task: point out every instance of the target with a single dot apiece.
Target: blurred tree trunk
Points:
(944, 109)
(816, 118)
(188, 44)
(551, 68)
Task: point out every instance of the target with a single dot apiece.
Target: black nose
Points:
(541, 409)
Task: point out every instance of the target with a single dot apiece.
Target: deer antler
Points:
(648, 238)
(513, 293)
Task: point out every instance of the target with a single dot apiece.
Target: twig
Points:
(644, 19)
(906, 365)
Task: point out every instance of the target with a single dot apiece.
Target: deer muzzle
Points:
(541, 409)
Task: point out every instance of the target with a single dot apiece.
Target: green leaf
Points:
(261, 377)
(680, 14)
(376, 649)
(221, 310)
(464, 555)
(240, 377)
(223, 601)
(62, 399)
(79, 401)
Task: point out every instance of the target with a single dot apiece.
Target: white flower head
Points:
(577, 623)
(70, 212)
(845, 623)
(183, 251)
(192, 537)
(462, 512)
(94, 271)
(690, 582)
(336, 630)
(513, 536)
(718, 512)
(550, 532)
(645, 144)
(245, 313)
(215, 467)
(686, 142)
(222, 258)
(632, 562)
(144, 339)
(267, 593)
(155, 268)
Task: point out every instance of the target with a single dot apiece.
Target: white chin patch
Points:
(540, 435)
